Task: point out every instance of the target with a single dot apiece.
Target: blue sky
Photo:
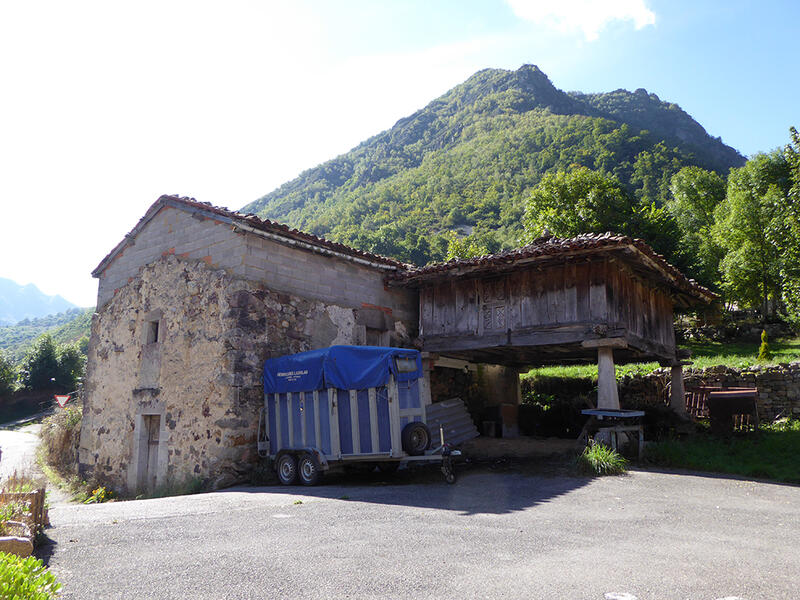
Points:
(107, 105)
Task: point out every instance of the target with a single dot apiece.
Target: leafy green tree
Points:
(71, 365)
(656, 226)
(47, 365)
(40, 364)
(791, 263)
(464, 247)
(652, 172)
(8, 376)
(695, 195)
(752, 228)
(579, 201)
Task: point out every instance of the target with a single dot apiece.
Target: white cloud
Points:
(587, 16)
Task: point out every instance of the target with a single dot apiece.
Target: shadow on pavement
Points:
(477, 490)
(711, 475)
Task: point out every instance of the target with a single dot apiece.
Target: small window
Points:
(406, 364)
(151, 332)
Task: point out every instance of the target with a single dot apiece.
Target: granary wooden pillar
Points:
(677, 394)
(607, 392)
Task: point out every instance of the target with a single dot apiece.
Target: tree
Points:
(8, 376)
(47, 365)
(751, 226)
(71, 366)
(466, 247)
(40, 364)
(579, 201)
(695, 195)
(791, 264)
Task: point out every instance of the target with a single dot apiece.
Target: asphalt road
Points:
(648, 536)
(18, 450)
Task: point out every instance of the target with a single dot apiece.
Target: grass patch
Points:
(60, 435)
(72, 485)
(770, 453)
(590, 371)
(598, 459)
(742, 354)
(704, 354)
(173, 487)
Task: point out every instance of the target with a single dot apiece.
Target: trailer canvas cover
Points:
(342, 367)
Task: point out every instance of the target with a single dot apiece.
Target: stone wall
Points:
(778, 386)
(199, 383)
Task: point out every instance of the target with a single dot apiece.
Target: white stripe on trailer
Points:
(303, 432)
(412, 412)
(278, 428)
(267, 432)
(336, 446)
(373, 421)
(424, 390)
(354, 422)
(317, 437)
(394, 419)
(289, 416)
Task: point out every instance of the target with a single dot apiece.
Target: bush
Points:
(764, 352)
(99, 495)
(11, 511)
(26, 579)
(48, 365)
(598, 459)
(8, 376)
(61, 433)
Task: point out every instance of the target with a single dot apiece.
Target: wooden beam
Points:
(605, 343)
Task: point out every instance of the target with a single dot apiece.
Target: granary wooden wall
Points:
(560, 305)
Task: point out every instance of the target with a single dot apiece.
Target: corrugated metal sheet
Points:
(453, 416)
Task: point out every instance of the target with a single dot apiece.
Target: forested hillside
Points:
(70, 326)
(470, 160)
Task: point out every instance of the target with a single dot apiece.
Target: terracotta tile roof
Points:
(253, 221)
(549, 246)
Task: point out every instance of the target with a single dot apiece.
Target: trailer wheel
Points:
(416, 438)
(286, 465)
(308, 469)
(447, 470)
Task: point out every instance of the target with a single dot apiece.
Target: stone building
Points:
(189, 305)
(196, 297)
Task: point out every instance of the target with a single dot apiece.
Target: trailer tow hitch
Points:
(448, 468)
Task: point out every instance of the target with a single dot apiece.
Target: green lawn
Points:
(704, 354)
(770, 453)
(742, 354)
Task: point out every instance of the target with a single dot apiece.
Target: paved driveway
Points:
(653, 536)
(18, 450)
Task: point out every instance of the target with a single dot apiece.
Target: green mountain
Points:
(69, 326)
(468, 161)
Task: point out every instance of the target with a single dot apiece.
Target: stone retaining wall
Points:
(778, 386)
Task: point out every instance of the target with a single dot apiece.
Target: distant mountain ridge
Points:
(468, 160)
(18, 302)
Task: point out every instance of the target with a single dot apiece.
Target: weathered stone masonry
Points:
(778, 387)
(187, 314)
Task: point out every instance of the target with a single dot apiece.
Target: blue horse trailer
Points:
(346, 404)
